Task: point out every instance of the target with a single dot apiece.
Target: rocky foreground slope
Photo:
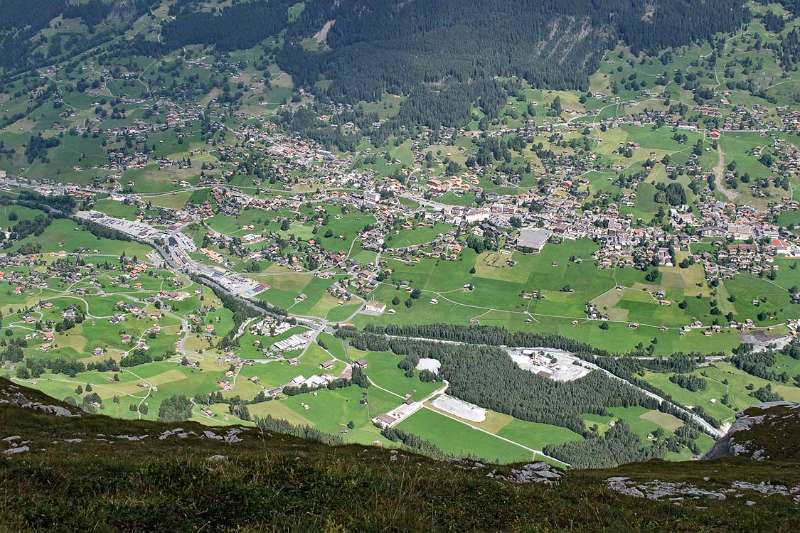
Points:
(764, 431)
(65, 470)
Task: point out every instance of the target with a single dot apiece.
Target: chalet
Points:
(274, 392)
(664, 257)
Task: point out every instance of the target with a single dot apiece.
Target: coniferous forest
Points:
(397, 46)
(486, 376)
(444, 55)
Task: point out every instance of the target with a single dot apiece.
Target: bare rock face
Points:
(232, 435)
(177, 433)
(761, 432)
(208, 434)
(656, 490)
(132, 438)
(14, 396)
(530, 473)
(16, 450)
(679, 491)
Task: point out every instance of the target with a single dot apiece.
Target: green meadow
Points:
(566, 278)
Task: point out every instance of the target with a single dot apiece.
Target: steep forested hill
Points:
(445, 56)
(374, 46)
(73, 28)
(371, 46)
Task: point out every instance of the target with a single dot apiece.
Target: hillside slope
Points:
(396, 46)
(444, 55)
(61, 469)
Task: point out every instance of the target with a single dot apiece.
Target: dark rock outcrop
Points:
(764, 431)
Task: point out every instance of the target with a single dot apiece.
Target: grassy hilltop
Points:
(94, 472)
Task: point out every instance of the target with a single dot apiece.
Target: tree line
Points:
(63, 204)
(690, 383)
(760, 364)
(620, 445)
(103, 232)
(270, 424)
(418, 444)
(34, 368)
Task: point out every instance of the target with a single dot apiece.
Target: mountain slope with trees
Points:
(394, 46)
(445, 56)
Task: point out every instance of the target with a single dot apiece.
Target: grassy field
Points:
(724, 379)
(65, 235)
(175, 200)
(330, 411)
(417, 235)
(501, 280)
(382, 369)
(20, 212)
(459, 439)
(343, 227)
(116, 209)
